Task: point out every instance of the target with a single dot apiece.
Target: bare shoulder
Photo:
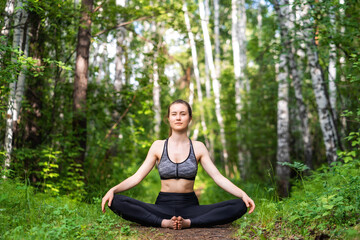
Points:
(199, 149)
(157, 148)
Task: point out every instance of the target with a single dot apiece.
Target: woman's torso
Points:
(177, 167)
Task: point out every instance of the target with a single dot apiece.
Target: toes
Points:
(179, 221)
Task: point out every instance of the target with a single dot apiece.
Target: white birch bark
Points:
(326, 119)
(196, 73)
(236, 57)
(283, 149)
(342, 71)
(119, 66)
(15, 95)
(332, 68)
(9, 10)
(342, 31)
(238, 81)
(207, 78)
(20, 86)
(156, 87)
(215, 82)
(156, 99)
(242, 42)
(217, 38)
(286, 19)
(259, 23)
(101, 59)
(207, 71)
(191, 93)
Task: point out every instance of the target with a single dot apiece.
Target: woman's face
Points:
(179, 117)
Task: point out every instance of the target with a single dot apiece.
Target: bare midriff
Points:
(177, 185)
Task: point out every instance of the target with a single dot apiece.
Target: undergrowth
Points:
(324, 205)
(25, 214)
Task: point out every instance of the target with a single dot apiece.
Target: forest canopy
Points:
(274, 86)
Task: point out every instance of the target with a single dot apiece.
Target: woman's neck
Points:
(179, 137)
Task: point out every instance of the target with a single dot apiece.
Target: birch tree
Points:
(332, 67)
(207, 71)
(196, 73)
(326, 119)
(286, 19)
(242, 42)
(342, 31)
(215, 83)
(283, 149)
(259, 23)
(81, 79)
(238, 29)
(9, 10)
(217, 37)
(16, 87)
(119, 66)
(156, 87)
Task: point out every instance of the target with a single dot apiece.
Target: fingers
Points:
(252, 206)
(103, 205)
(249, 204)
(110, 200)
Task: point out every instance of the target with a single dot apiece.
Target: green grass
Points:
(25, 214)
(325, 204)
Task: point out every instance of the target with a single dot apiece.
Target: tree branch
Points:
(120, 25)
(121, 117)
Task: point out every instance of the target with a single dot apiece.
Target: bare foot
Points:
(179, 222)
(183, 223)
(169, 223)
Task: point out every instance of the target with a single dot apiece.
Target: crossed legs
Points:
(177, 218)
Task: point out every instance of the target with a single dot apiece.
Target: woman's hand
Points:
(108, 197)
(249, 203)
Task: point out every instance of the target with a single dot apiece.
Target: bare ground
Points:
(224, 232)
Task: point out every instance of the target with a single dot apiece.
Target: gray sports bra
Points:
(187, 169)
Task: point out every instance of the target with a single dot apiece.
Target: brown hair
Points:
(181, 102)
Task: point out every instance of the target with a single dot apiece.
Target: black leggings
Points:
(185, 205)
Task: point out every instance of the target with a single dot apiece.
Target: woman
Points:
(177, 206)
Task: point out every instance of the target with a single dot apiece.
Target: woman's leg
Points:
(214, 214)
(144, 213)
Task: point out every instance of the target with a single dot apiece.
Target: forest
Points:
(274, 86)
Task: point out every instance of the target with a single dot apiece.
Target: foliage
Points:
(28, 214)
(325, 203)
(120, 123)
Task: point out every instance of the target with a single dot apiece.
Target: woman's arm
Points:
(219, 179)
(135, 179)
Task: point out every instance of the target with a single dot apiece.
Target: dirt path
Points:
(224, 232)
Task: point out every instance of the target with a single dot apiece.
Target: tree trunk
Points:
(326, 119)
(81, 80)
(207, 71)
(259, 23)
(242, 42)
(156, 86)
(332, 69)
(215, 82)
(119, 66)
(238, 14)
(9, 10)
(196, 73)
(342, 30)
(16, 87)
(283, 149)
(286, 19)
(217, 38)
